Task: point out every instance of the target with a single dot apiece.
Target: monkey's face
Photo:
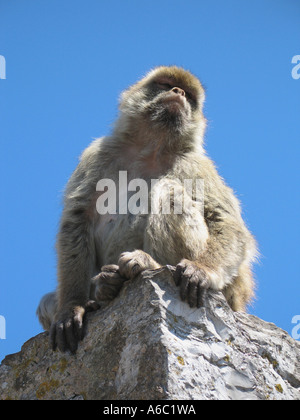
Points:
(168, 98)
(169, 105)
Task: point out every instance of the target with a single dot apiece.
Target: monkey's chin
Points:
(168, 116)
(173, 117)
(174, 107)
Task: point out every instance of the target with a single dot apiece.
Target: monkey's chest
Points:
(118, 233)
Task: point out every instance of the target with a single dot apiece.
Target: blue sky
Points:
(66, 64)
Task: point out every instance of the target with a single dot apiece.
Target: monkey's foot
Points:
(108, 283)
(193, 282)
(69, 329)
(131, 264)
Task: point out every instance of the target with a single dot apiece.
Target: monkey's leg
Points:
(107, 284)
(193, 281)
(47, 309)
(131, 264)
(178, 238)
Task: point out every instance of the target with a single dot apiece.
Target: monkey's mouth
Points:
(169, 112)
(174, 104)
(174, 99)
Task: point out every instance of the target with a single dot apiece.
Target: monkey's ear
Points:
(201, 99)
(203, 93)
(123, 97)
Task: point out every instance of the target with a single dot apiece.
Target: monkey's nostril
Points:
(178, 91)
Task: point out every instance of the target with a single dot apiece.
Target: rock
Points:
(148, 344)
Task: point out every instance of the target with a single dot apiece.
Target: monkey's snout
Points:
(178, 91)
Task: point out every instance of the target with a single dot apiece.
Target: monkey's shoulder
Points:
(216, 191)
(195, 165)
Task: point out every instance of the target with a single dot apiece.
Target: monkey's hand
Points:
(131, 264)
(108, 283)
(193, 281)
(69, 329)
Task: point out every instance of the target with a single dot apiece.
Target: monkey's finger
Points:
(184, 287)
(52, 336)
(117, 280)
(130, 269)
(78, 323)
(108, 291)
(135, 270)
(178, 274)
(201, 296)
(60, 337)
(91, 306)
(110, 268)
(189, 271)
(113, 279)
(71, 339)
(193, 294)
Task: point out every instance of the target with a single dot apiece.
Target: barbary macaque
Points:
(157, 136)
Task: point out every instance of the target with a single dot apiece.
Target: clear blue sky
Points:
(66, 64)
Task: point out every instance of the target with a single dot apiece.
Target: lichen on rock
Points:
(148, 344)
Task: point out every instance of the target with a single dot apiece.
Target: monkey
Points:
(159, 134)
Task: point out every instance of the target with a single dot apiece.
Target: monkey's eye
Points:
(164, 86)
(190, 97)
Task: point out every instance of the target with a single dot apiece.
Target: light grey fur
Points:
(146, 145)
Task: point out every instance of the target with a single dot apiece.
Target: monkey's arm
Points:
(226, 246)
(76, 257)
(229, 244)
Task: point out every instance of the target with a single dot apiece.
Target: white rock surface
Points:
(148, 344)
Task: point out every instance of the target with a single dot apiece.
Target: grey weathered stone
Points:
(148, 344)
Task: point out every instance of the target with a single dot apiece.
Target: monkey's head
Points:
(168, 101)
